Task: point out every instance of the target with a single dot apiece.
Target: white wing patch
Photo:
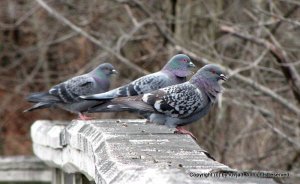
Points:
(157, 105)
(180, 100)
(146, 97)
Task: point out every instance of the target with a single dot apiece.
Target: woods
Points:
(255, 125)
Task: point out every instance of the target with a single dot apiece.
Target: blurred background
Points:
(257, 123)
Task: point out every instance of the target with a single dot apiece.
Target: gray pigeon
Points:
(174, 72)
(66, 94)
(176, 105)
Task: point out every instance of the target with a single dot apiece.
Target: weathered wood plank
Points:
(126, 151)
(23, 169)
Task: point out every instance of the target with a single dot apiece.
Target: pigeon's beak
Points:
(192, 65)
(113, 71)
(223, 77)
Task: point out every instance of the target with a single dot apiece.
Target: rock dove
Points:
(174, 72)
(66, 94)
(176, 105)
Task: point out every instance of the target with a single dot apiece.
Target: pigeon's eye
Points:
(213, 71)
(184, 60)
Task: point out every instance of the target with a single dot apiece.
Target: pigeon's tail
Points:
(102, 96)
(40, 105)
(41, 97)
(131, 104)
(108, 107)
(42, 100)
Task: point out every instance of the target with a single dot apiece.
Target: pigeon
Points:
(66, 94)
(177, 69)
(177, 105)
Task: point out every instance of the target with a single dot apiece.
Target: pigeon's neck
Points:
(177, 71)
(104, 83)
(211, 87)
(99, 74)
(101, 78)
(174, 77)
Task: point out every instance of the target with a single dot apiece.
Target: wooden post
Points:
(56, 176)
(60, 177)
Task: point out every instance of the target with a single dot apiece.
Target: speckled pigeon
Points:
(176, 105)
(174, 72)
(66, 94)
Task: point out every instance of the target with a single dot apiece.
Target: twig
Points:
(130, 14)
(246, 80)
(289, 71)
(250, 66)
(124, 38)
(91, 64)
(50, 43)
(268, 117)
(291, 2)
(288, 14)
(21, 19)
(160, 28)
(8, 100)
(203, 60)
(283, 135)
(280, 17)
(64, 20)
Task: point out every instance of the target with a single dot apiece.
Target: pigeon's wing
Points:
(70, 90)
(130, 103)
(176, 101)
(146, 84)
(140, 86)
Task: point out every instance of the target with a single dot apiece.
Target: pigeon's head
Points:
(207, 79)
(181, 65)
(211, 72)
(105, 69)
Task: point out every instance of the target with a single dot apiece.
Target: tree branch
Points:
(289, 71)
(64, 20)
(203, 60)
(286, 103)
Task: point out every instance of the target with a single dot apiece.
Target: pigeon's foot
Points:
(181, 130)
(84, 117)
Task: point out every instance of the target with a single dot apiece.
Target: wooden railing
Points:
(125, 151)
